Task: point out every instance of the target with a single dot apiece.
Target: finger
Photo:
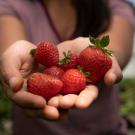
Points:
(86, 97)
(16, 83)
(67, 101)
(8, 89)
(18, 64)
(27, 100)
(114, 75)
(51, 113)
(11, 76)
(54, 101)
(10, 67)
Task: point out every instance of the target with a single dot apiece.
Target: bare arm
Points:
(121, 35)
(11, 30)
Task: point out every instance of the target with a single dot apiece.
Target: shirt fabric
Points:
(103, 116)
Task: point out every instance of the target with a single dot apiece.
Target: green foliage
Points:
(127, 97)
(4, 108)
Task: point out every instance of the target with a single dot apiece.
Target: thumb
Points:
(113, 77)
(11, 75)
(16, 83)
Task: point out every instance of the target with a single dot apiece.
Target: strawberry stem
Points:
(104, 41)
(66, 59)
(32, 52)
(101, 43)
(86, 74)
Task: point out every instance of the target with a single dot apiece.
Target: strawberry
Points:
(46, 54)
(54, 71)
(70, 60)
(95, 59)
(73, 81)
(44, 85)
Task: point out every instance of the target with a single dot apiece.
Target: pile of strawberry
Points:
(71, 74)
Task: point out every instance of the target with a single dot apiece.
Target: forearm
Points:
(121, 39)
(11, 30)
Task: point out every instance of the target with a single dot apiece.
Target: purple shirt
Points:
(103, 116)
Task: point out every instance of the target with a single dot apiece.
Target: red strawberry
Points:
(73, 81)
(95, 59)
(44, 85)
(46, 54)
(54, 71)
(69, 61)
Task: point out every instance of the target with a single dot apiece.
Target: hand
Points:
(90, 93)
(86, 96)
(114, 75)
(16, 64)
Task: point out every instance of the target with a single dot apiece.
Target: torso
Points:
(59, 13)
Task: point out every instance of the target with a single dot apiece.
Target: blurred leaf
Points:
(127, 95)
(104, 41)
(5, 107)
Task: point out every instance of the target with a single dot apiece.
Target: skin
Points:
(64, 29)
(15, 49)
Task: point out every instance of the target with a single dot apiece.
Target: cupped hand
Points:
(87, 96)
(16, 64)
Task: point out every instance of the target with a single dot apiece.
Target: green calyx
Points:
(86, 74)
(32, 52)
(101, 43)
(66, 59)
